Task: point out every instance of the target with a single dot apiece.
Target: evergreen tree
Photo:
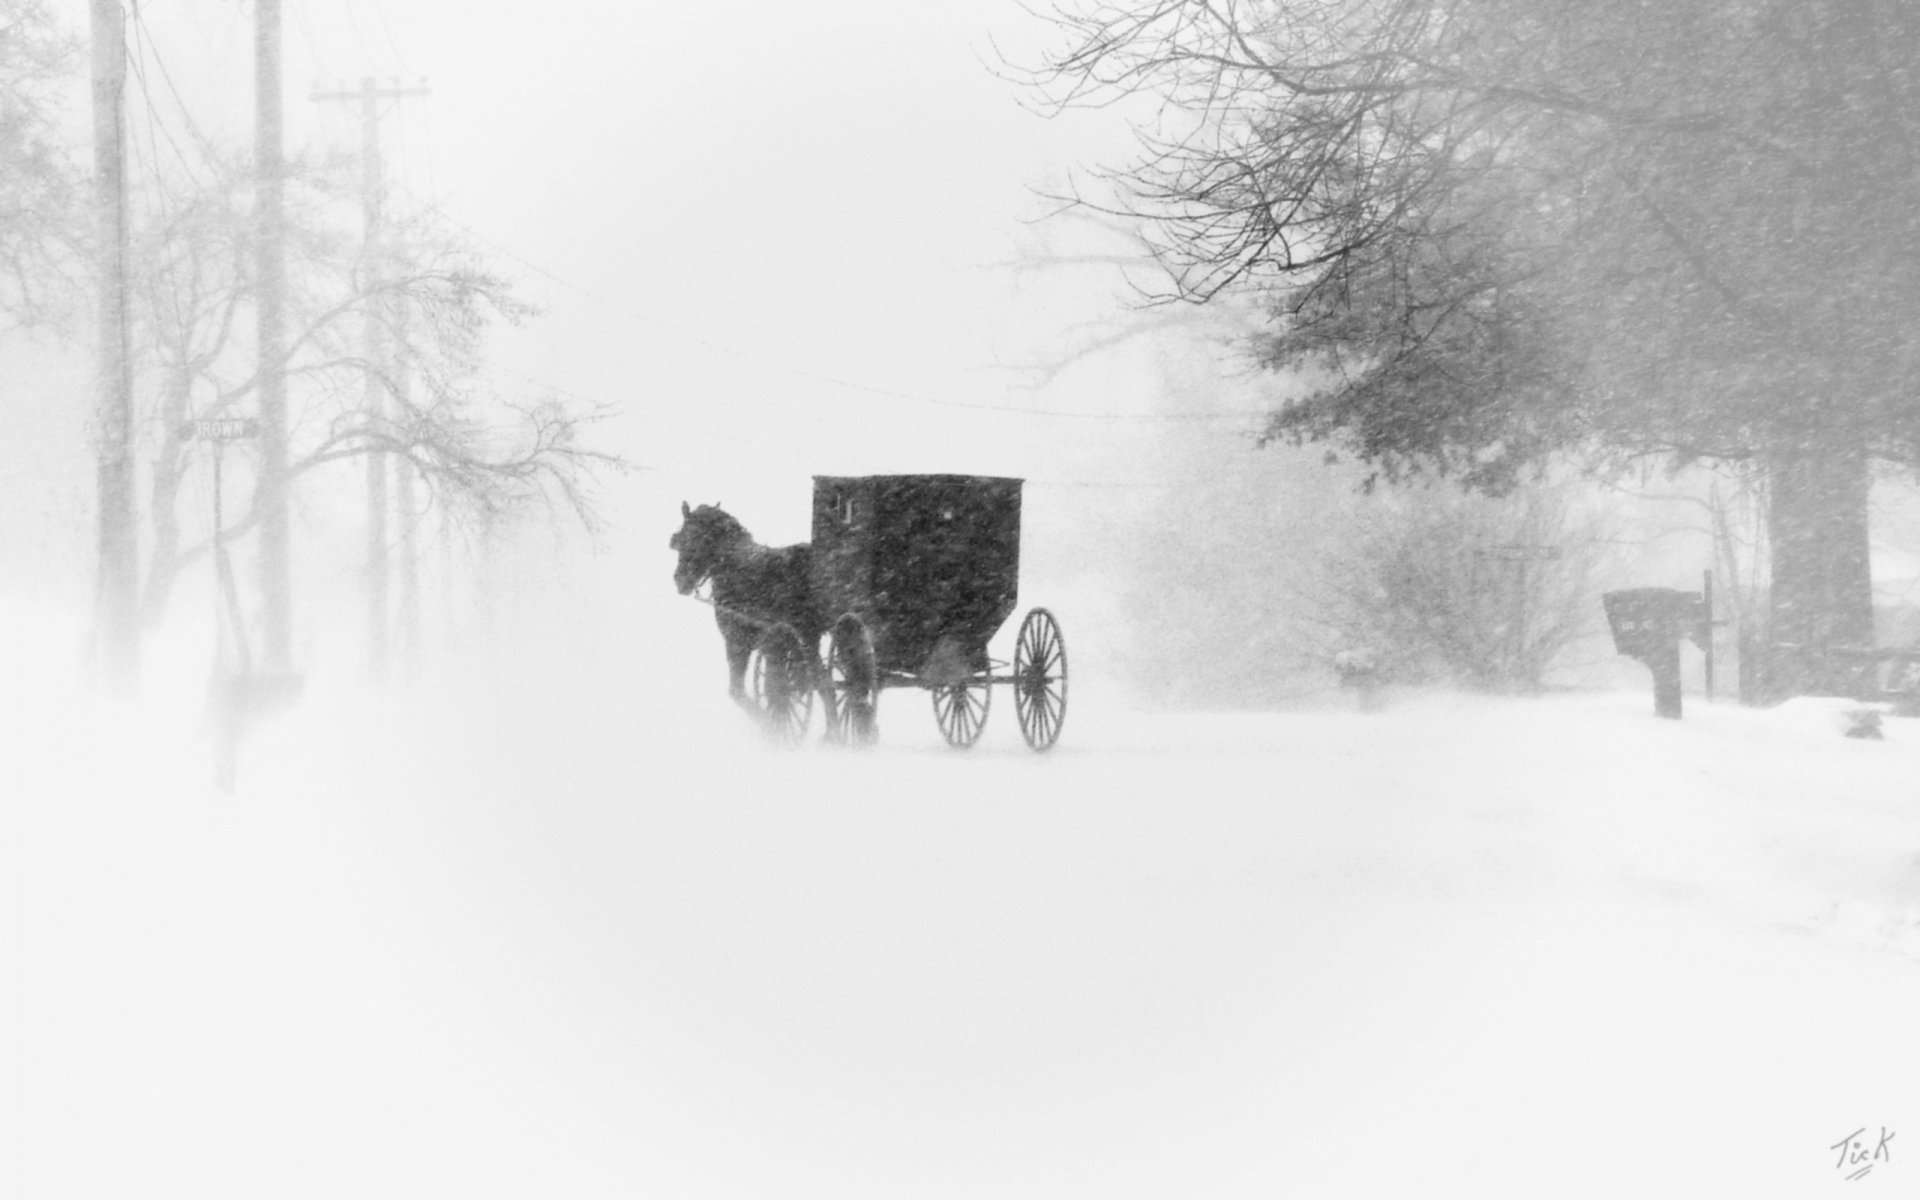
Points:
(1499, 230)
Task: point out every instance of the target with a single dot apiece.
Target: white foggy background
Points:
(548, 920)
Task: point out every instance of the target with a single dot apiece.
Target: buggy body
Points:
(930, 564)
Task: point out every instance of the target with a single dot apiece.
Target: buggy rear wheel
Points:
(961, 709)
(1040, 679)
(780, 682)
(853, 684)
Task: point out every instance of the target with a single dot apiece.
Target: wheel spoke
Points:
(960, 709)
(1040, 679)
(781, 684)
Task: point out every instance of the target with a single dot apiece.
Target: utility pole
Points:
(373, 185)
(270, 269)
(116, 615)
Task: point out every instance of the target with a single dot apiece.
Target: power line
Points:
(353, 20)
(784, 446)
(433, 173)
(835, 380)
(311, 44)
(145, 48)
(393, 43)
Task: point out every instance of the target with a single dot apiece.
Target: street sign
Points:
(220, 429)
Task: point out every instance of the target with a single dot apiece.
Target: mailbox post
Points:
(1647, 624)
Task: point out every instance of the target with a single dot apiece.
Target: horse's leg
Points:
(739, 639)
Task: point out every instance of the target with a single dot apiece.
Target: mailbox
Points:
(1647, 624)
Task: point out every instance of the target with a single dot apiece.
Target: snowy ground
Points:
(565, 928)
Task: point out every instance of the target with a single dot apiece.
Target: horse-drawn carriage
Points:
(906, 581)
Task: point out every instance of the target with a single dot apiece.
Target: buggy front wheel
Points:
(1040, 679)
(780, 681)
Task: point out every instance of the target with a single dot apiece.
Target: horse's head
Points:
(706, 536)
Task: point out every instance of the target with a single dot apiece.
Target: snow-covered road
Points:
(580, 937)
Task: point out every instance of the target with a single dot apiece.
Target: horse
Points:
(755, 588)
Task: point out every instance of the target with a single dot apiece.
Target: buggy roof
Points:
(951, 478)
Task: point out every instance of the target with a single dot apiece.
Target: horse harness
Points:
(759, 623)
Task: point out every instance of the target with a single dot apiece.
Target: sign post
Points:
(230, 629)
(220, 431)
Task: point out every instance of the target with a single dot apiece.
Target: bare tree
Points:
(481, 451)
(41, 213)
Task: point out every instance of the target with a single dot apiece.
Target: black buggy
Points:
(915, 574)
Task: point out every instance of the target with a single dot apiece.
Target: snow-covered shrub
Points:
(1446, 587)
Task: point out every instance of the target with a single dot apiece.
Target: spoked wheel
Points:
(961, 709)
(853, 684)
(780, 681)
(1040, 679)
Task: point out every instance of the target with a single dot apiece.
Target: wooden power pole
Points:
(276, 582)
(116, 608)
(379, 353)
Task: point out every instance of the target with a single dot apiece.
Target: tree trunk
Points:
(1822, 590)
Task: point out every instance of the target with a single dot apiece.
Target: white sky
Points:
(726, 207)
(766, 232)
